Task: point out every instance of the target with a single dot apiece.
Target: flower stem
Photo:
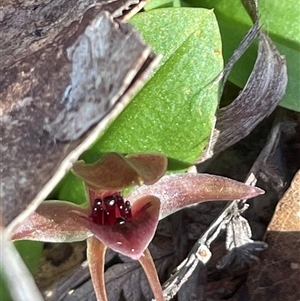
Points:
(147, 263)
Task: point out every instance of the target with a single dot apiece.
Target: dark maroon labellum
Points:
(111, 210)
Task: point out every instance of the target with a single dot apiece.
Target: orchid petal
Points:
(51, 222)
(149, 166)
(132, 237)
(116, 172)
(96, 258)
(181, 190)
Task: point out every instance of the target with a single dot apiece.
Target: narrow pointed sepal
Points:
(96, 258)
(116, 172)
(51, 222)
(147, 263)
(181, 190)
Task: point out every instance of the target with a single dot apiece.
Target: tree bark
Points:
(65, 65)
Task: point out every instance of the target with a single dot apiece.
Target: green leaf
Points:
(31, 252)
(174, 111)
(281, 20)
(72, 189)
(4, 293)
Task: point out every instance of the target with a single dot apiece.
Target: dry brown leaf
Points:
(277, 276)
(263, 91)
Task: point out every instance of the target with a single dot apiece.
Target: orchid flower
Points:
(125, 224)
